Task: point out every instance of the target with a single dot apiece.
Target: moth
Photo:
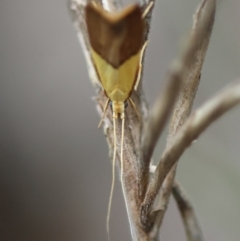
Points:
(116, 47)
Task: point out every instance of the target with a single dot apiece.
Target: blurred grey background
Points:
(55, 174)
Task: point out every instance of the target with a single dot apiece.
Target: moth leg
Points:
(104, 112)
(135, 108)
(147, 9)
(140, 66)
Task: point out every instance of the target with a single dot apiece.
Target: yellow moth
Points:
(116, 47)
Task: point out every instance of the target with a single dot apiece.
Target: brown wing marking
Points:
(115, 36)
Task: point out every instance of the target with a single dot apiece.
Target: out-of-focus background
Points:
(55, 173)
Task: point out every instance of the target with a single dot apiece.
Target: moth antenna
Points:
(147, 9)
(113, 175)
(104, 113)
(135, 108)
(138, 76)
(121, 161)
(121, 155)
(140, 66)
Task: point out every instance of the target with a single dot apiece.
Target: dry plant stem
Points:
(193, 127)
(205, 12)
(133, 162)
(192, 228)
(191, 225)
(157, 120)
(189, 66)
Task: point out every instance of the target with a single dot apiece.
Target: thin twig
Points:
(203, 18)
(203, 21)
(159, 114)
(157, 120)
(186, 68)
(191, 129)
(192, 227)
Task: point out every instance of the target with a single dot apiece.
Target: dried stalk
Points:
(192, 227)
(140, 139)
(190, 131)
(156, 122)
(189, 70)
(204, 17)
